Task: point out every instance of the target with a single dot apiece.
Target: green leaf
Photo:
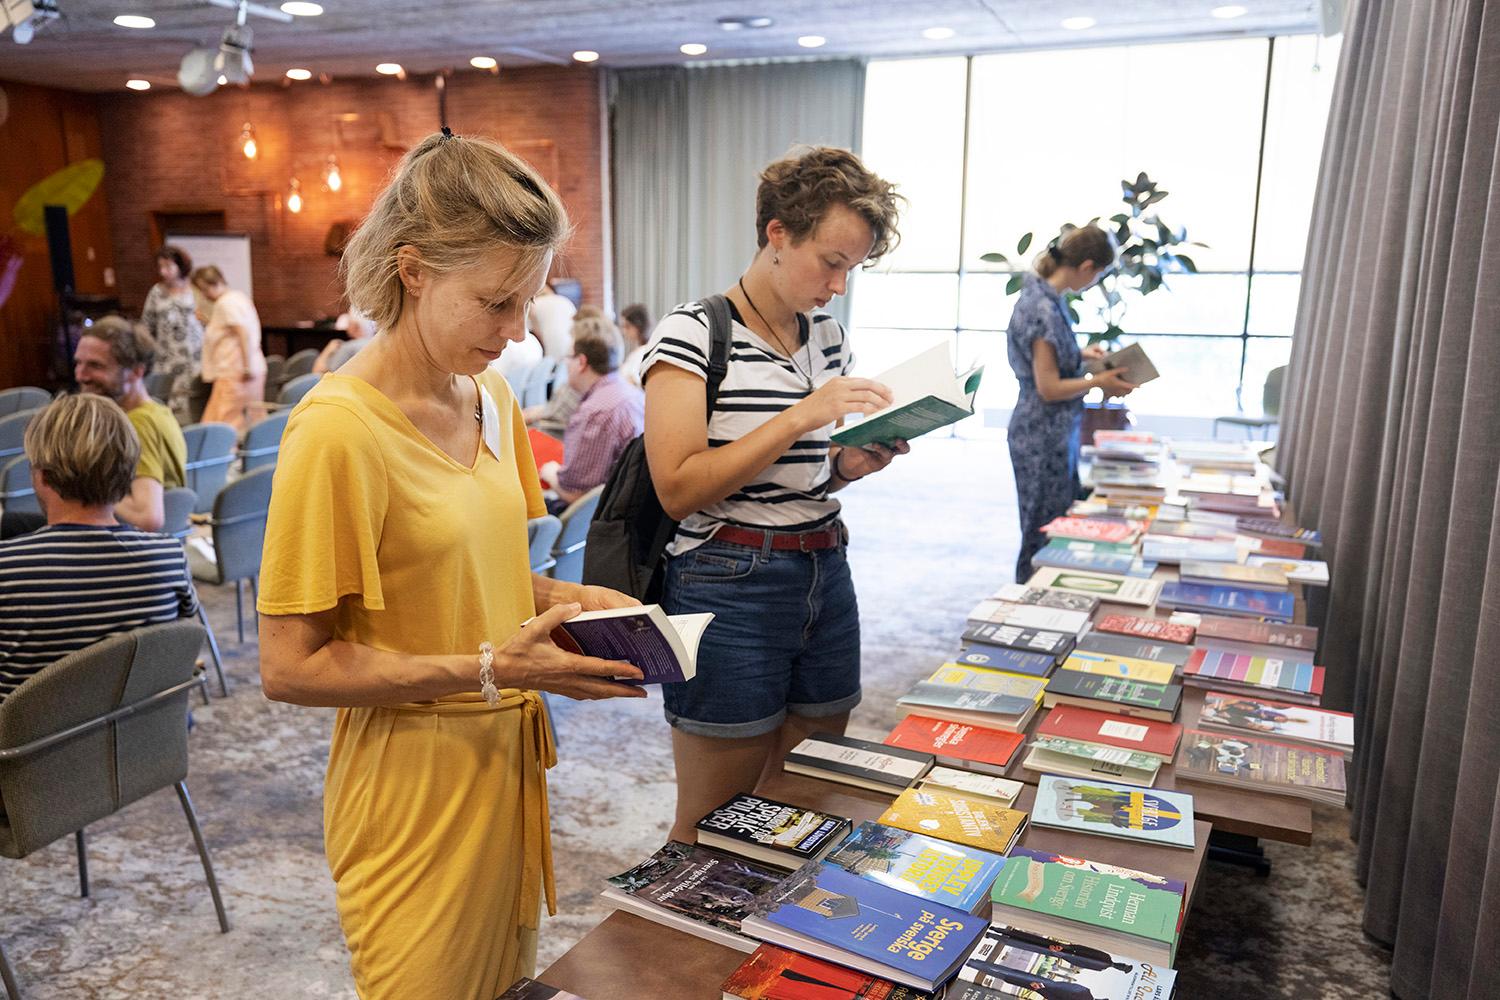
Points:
(1155, 196)
(1142, 181)
(1120, 218)
(1111, 333)
(1024, 243)
(994, 257)
(1073, 313)
(1187, 264)
(1014, 284)
(1122, 235)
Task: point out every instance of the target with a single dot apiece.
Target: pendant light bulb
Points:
(294, 197)
(331, 175)
(248, 145)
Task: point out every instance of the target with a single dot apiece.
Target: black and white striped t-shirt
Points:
(67, 586)
(792, 493)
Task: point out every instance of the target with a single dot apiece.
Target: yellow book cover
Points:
(1128, 667)
(955, 818)
(957, 675)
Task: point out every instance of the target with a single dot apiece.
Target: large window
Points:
(990, 147)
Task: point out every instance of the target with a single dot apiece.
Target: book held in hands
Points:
(773, 832)
(1132, 357)
(926, 395)
(663, 646)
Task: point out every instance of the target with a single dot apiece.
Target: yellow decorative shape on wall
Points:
(72, 187)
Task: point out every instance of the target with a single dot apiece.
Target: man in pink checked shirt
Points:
(611, 411)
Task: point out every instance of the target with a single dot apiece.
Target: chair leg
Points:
(208, 866)
(213, 647)
(83, 865)
(239, 608)
(11, 989)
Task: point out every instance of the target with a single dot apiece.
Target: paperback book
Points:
(1019, 593)
(1279, 720)
(1248, 762)
(1132, 357)
(1289, 677)
(1313, 572)
(1091, 529)
(771, 832)
(1115, 589)
(1030, 640)
(773, 973)
(1266, 528)
(925, 395)
(852, 761)
(663, 646)
(1081, 759)
(968, 785)
(1113, 810)
(976, 696)
(1113, 694)
(1011, 961)
(1131, 647)
(826, 912)
(1248, 577)
(1233, 601)
(970, 822)
(1159, 739)
(1150, 671)
(1178, 550)
(695, 889)
(1014, 661)
(1218, 627)
(1146, 628)
(957, 744)
(938, 871)
(1069, 554)
(1048, 619)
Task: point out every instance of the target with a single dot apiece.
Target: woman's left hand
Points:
(602, 599)
(1095, 351)
(857, 463)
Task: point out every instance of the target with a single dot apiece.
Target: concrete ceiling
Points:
(84, 50)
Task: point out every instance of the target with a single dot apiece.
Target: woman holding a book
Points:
(396, 585)
(1044, 354)
(760, 542)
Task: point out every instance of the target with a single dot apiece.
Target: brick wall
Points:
(168, 152)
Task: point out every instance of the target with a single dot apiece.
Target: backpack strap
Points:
(720, 333)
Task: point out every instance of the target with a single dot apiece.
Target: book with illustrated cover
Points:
(925, 395)
(938, 871)
(1233, 601)
(1265, 528)
(1071, 554)
(1112, 810)
(1278, 720)
(967, 784)
(1249, 762)
(824, 911)
(1179, 550)
(1274, 548)
(531, 989)
(770, 831)
(1291, 677)
(976, 696)
(971, 822)
(1054, 894)
(1134, 648)
(1115, 589)
(957, 744)
(1146, 628)
(1249, 577)
(857, 762)
(1132, 357)
(773, 973)
(663, 646)
(1012, 661)
(990, 611)
(1091, 529)
(1186, 530)
(695, 889)
(1128, 733)
(1081, 759)
(1313, 572)
(1217, 628)
(1030, 640)
(1019, 593)
(1150, 671)
(1113, 694)
(1012, 961)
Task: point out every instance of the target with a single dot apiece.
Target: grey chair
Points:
(13, 431)
(568, 549)
(177, 509)
(159, 386)
(23, 397)
(210, 453)
(263, 442)
(92, 733)
(16, 494)
(1270, 405)
(239, 530)
(536, 384)
(292, 392)
(300, 363)
(541, 534)
(275, 376)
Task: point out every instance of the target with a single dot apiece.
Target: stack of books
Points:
(1111, 810)
(1097, 557)
(1101, 586)
(771, 832)
(1113, 694)
(938, 871)
(1248, 762)
(773, 973)
(1260, 527)
(1319, 728)
(989, 698)
(957, 744)
(962, 820)
(1093, 529)
(1013, 960)
(861, 763)
(1228, 573)
(1236, 602)
(1289, 677)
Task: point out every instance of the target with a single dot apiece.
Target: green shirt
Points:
(163, 448)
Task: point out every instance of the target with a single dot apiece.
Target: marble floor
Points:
(930, 537)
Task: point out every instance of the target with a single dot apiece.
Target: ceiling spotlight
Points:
(1227, 12)
(331, 176)
(233, 61)
(390, 69)
(302, 9)
(585, 56)
(692, 48)
(222, 80)
(138, 84)
(737, 22)
(937, 34)
(294, 196)
(812, 41)
(1078, 23)
(483, 62)
(248, 145)
(134, 21)
(299, 74)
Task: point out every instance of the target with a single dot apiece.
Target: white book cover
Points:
(1047, 619)
(1106, 587)
(1313, 571)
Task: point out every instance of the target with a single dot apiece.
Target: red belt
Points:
(804, 541)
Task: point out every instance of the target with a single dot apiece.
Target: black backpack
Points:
(630, 531)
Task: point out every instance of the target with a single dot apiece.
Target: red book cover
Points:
(955, 739)
(1145, 628)
(1091, 529)
(777, 974)
(1278, 548)
(1300, 637)
(1132, 733)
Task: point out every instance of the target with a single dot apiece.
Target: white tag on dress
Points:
(491, 422)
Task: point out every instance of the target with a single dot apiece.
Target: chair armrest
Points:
(123, 712)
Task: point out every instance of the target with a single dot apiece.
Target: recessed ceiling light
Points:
(1078, 23)
(134, 21)
(736, 22)
(223, 79)
(297, 9)
(299, 74)
(692, 48)
(138, 84)
(812, 41)
(937, 34)
(389, 69)
(1226, 12)
(585, 56)
(483, 62)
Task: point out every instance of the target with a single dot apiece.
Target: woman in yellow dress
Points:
(396, 586)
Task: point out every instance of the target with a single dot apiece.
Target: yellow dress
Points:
(434, 814)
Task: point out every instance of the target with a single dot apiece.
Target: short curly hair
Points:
(799, 189)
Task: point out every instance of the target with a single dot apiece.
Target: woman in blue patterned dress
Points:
(1048, 363)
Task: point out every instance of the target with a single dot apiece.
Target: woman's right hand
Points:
(1113, 382)
(839, 397)
(532, 660)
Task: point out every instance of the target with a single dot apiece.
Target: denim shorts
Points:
(785, 638)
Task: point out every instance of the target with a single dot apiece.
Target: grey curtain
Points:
(689, 143)
(1391, 446)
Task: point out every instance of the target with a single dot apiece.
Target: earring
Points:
(776, 258)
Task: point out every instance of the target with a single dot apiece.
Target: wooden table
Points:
(628, 957)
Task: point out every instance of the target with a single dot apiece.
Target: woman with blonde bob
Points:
(396, 585)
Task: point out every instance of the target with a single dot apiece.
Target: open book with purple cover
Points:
(663, 646)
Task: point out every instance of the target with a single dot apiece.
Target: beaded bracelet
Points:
(487, 674)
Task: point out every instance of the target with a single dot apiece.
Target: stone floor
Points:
(930, 537)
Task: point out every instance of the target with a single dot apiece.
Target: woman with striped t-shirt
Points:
(760, 542)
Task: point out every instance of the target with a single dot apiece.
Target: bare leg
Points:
(794, 730)
(710, 771)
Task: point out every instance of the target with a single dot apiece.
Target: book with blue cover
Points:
(938, 871)
(824, 911)
(1064, 553)
(663, 646)
(1235, 601)
(1015, 661)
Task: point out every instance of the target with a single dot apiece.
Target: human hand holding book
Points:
(531, 659)
(925, 394)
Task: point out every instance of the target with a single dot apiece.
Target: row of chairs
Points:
(557, 541)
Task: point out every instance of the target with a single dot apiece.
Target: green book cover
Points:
(1097, 752)
(1147, 906)
(903, 423)
(925, 394)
